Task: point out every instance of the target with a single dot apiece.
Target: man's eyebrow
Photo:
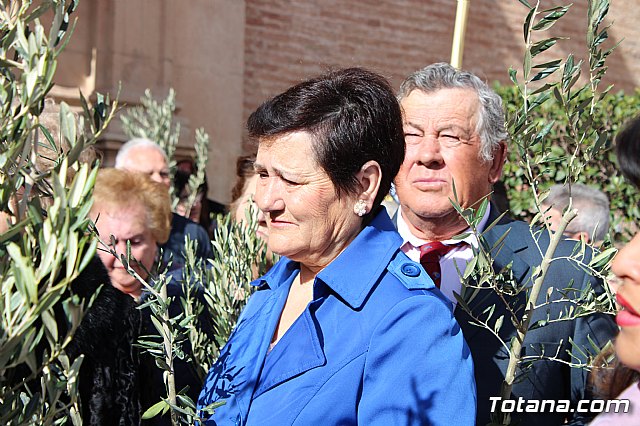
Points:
(455, 127)
(414, 125)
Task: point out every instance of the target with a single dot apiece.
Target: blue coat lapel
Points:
(252, 346)
(298, 351)
(301, 349)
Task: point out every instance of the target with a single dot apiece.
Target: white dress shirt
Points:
(460, 256)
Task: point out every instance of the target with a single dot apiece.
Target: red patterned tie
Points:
(430, 255)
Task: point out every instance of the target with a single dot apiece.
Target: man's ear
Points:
(499, 158)
(579, 236)
(369, 178)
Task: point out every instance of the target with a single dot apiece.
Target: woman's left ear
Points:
(369, 178)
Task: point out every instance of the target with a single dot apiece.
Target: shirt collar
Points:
(471, 239)
(353, 273)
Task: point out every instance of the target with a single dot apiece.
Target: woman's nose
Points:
(268, 196)
(106, 257)
(626, 264)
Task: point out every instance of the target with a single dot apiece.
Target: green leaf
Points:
(551, 17)
(528, 20)
(543, 45)
(526, 66)
(512, 75)
(78, 186)
(31, 78)
(542, 88)
(155, 409)
(67, 124)
(23, 271)
(50, 324)
(603, 258)
(498, 325)
(72, 253)
(544, 74)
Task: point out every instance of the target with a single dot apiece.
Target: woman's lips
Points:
(627, 316)
(279, 223)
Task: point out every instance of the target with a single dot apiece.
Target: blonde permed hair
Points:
(121, 188)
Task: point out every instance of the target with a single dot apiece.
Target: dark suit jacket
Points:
(542, 379)
(173, 249)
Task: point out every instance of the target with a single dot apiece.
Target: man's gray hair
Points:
(591, 203)
(123, 152)
(490, 127)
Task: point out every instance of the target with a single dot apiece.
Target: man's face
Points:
(442, 147)
(149, 161)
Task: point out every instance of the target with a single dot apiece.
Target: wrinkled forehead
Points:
(447, 106)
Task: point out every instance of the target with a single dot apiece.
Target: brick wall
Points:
(289, 40)
(225, 57)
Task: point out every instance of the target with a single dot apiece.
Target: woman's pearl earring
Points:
(360, 208)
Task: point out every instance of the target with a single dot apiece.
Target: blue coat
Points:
(378, 345)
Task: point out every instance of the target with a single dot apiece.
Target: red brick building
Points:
(224, 57)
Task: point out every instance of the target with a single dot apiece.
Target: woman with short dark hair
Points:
(344, 329)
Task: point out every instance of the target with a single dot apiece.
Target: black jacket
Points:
(109, 372)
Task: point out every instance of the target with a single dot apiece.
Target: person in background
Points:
(145, 156)
(198, 212)
(592, 221)
(623, 382)
(243, 194)
(204, 209)
(344, 329)
(107, 381)
(131, 209)
(243, 204)
(454, 133)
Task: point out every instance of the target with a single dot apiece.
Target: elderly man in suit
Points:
(454, 132)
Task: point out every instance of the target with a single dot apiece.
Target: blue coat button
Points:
(410, 270)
